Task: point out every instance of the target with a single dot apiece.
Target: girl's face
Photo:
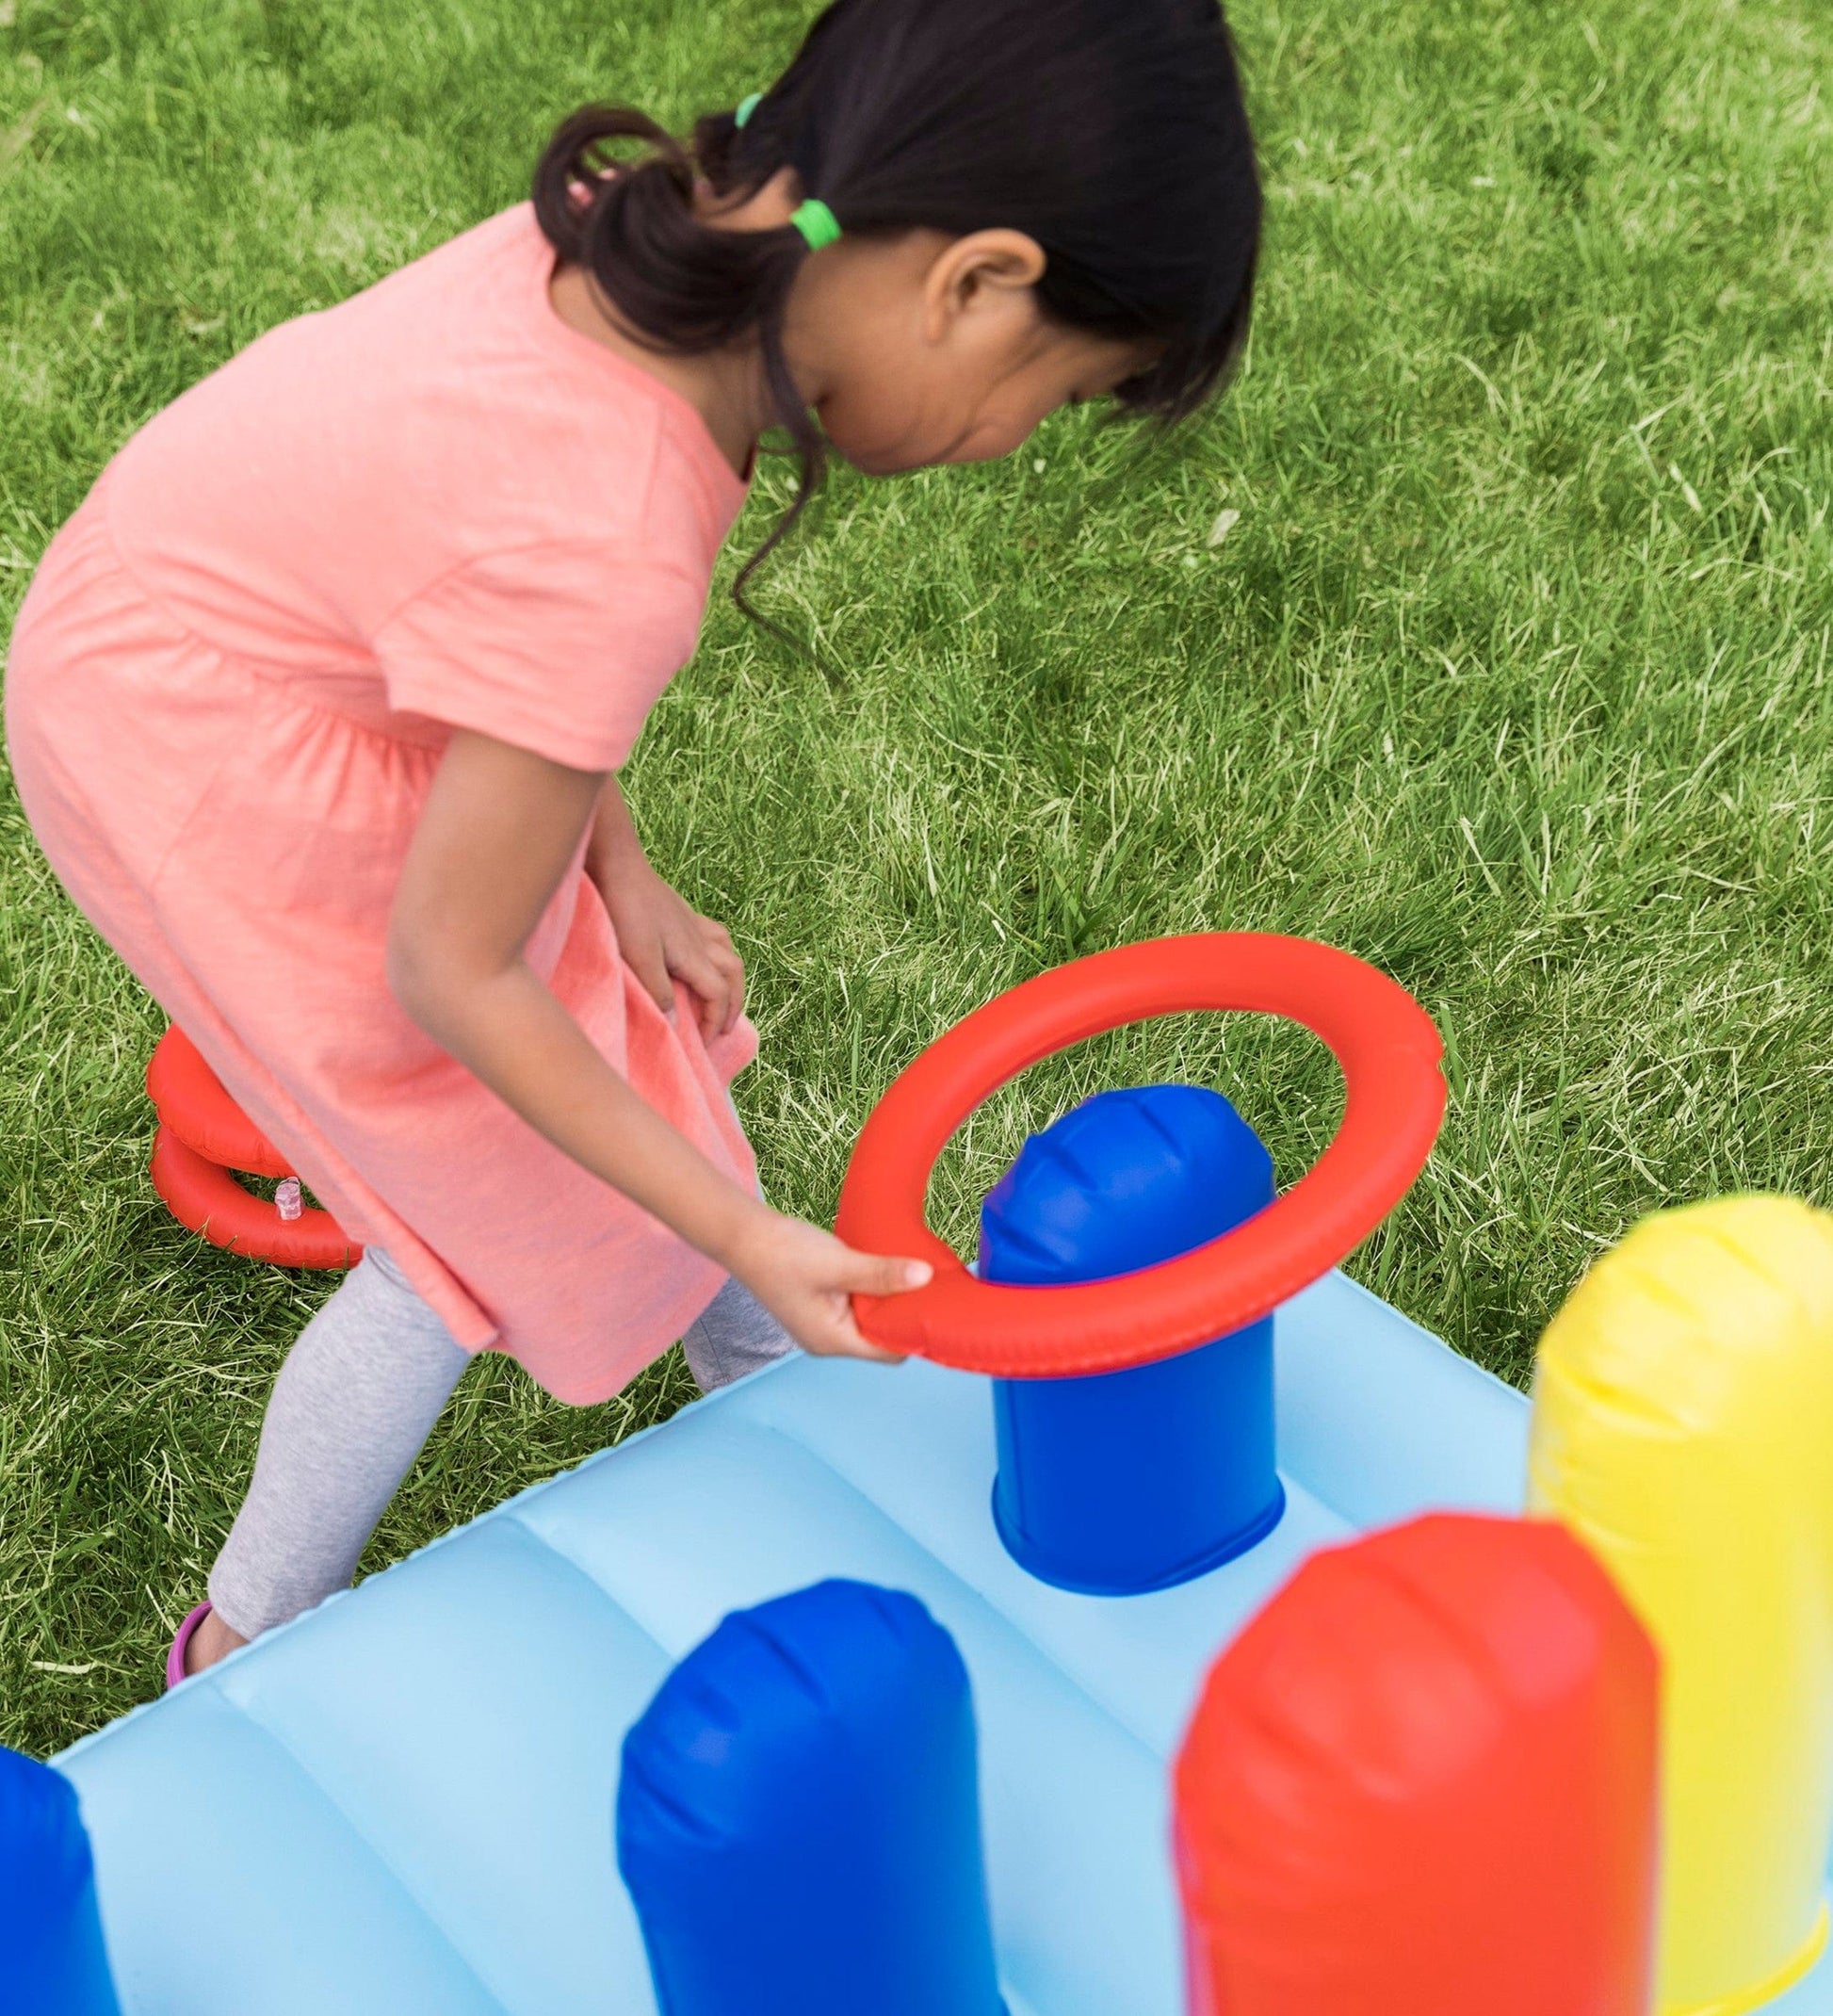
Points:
(918, 349)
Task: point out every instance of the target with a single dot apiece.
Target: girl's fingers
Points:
(717, 952)
(874, 1273)
(847, 1340)
(698, 973)
(649, 963)
(855, 1345)
(871, 1355)
(732, 968)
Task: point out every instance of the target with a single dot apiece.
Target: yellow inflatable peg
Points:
(1683, 1428)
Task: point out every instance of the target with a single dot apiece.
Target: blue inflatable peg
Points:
(52, 1961)
(798, 1817)
(1123, 1482)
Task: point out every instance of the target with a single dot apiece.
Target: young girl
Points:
(317, 704)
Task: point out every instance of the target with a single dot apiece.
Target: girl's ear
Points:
(982, 270)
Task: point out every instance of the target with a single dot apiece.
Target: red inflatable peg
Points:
(1422, 1783)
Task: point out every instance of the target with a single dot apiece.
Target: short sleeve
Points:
(561, 648)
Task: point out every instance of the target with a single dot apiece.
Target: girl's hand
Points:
(662, 937)
(807, 1278)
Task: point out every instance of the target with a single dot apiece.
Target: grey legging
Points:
(356, 1398)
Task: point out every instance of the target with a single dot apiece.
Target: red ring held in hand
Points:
(1394, 1099)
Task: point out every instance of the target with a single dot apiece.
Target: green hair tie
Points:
(813, 218)
(816, 223)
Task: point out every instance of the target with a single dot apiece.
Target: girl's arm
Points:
(499, 828)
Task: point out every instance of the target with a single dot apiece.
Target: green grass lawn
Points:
(1511, 675)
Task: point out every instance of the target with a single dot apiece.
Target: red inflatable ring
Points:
(205, 1197)
(203, 1136)
(194, 1103)
(1394, 1098)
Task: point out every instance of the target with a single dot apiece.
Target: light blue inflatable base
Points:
(403, 1802)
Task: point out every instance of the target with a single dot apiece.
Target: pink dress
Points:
(227, 693)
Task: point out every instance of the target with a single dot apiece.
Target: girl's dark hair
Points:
(1110, 131)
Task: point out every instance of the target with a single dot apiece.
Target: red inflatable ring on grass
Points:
(203, 1135)
(1394, 1098)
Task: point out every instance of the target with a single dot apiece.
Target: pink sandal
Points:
(175, 1658)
